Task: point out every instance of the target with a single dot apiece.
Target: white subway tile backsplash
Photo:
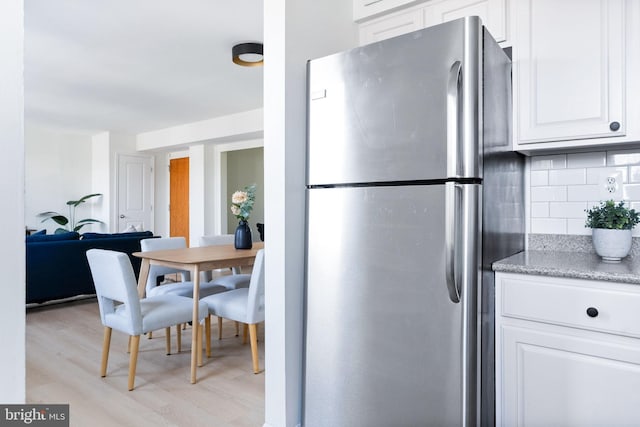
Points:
(562, 187)
(539, 178)
(558, 161)
(586, 160)
(635, 206)
(567, 177)
(631, 191)
(623, 157)
(549, 225)
(596, 175)
(634, 174)
(549, 194)
(567, 209)
(539, 210)
(576, 226)
(583, 193)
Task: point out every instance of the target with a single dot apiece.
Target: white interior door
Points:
(135, 192)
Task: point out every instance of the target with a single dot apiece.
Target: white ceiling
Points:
(137, 65)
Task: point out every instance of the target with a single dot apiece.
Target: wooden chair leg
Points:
(253, 332)
(207, 334)
(150, 335)
(133, 359)
(167, 332)
(219, 328)
(245, 329)
(199, 342)
(106, 343)
(237, 328)
(179, 337)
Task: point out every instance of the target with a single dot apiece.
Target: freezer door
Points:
(401, 109)
(384, 340)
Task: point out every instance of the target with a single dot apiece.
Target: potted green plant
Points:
(611, 224)
(70, 223)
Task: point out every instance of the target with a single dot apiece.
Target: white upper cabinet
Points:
(363, 9)
(492, 12)
(572, 72)
(391, 26)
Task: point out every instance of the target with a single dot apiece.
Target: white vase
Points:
(611, 245)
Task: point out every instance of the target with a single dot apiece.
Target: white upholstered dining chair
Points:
(230, 281)
(244, 305)
(122, 309)
(183, 288)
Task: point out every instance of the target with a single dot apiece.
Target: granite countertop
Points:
(576, 265)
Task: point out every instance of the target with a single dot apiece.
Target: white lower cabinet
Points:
(567, 352)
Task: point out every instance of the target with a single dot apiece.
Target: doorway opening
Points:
(245, 167)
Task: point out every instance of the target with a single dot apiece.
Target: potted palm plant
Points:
(611, 224)
(70, 222)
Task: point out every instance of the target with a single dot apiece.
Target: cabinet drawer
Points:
(598, 306)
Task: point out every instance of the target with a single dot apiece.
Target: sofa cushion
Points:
(89, 236)
(71, 235)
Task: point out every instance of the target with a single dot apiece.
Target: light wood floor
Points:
(64, 343)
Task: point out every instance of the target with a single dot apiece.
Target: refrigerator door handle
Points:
(453, 120)
(452, 196)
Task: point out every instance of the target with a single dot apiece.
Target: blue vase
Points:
(243, 236)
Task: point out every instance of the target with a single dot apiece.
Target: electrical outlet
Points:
(611, 185)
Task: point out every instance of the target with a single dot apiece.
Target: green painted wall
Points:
(246, 167)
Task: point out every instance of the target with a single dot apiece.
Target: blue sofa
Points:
(57, 265)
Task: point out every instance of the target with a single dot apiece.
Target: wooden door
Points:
(179, 198)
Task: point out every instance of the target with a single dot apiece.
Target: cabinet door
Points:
(554, 376)
(368, 8)
(569, 69)
(492, 12)
(391, 26)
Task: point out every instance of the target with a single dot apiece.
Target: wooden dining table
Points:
(195, 260)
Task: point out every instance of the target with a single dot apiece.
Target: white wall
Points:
(294, 31)
(63, 166)
(234, 127)
(101, 181)
(58, 168)
(12, 264)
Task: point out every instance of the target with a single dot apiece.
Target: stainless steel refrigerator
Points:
(412, 192)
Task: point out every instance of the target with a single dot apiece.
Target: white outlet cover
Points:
(604, 183)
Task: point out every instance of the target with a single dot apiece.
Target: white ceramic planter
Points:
(611, 245)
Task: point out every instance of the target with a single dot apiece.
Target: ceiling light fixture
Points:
(248, 54)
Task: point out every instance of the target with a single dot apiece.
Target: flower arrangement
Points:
(242, 202)
(612, 216)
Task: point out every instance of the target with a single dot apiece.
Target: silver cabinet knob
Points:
(121, 216)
